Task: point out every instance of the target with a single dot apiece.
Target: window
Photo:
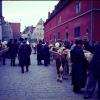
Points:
(87, 30)
(66, 36)
(78, 7)
(58, 18)
(77, 32)
(87, 33)
(40, 23)
(58, 35)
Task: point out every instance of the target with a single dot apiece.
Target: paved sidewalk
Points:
(37, 84)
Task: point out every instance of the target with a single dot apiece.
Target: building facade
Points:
(73, 19)
(7, 31)
(10, 30)
(0, 20)
(15, 30)
(0, 28)
(0, 7)
(27, 33)
(38, 33)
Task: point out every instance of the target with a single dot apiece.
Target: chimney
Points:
(48, 14)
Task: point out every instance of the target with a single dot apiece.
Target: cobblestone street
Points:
(38, 84)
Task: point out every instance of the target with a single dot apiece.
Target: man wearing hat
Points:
(79, 66)
(24, 56)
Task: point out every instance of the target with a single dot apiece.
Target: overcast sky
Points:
(27, 12)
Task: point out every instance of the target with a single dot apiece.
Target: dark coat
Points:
(46, 51)
(13, 50)
(95, 63)
(87, 46)
(39, 51)
(9, 45)
(46, 54)
(79, 67)
(24, 54)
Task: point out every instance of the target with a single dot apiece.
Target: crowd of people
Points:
(85, 70)
(85, 73)
(17, 49)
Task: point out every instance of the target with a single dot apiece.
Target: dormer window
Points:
(78, 7)
(58, 18)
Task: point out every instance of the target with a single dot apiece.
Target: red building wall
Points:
(15, 27)
(96, 4)
(96, 31)
(70, 19)
(69, 27)
(16, 30)
(96, 20)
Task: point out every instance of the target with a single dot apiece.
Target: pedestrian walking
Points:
(20, 42)
(9, 44)
(24, 56)
(39, 53)
(13, 51)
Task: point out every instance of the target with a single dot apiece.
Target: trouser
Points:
(13, 62)
(46, 61)
(39, 61)
(22, 68)
(91, 85)
(3, 59)
(34, 50)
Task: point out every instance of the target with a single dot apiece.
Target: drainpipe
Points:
(0, 30)
(91, 37)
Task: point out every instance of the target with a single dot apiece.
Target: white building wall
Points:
(7, 32)
(24, 35)
(38, 32)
